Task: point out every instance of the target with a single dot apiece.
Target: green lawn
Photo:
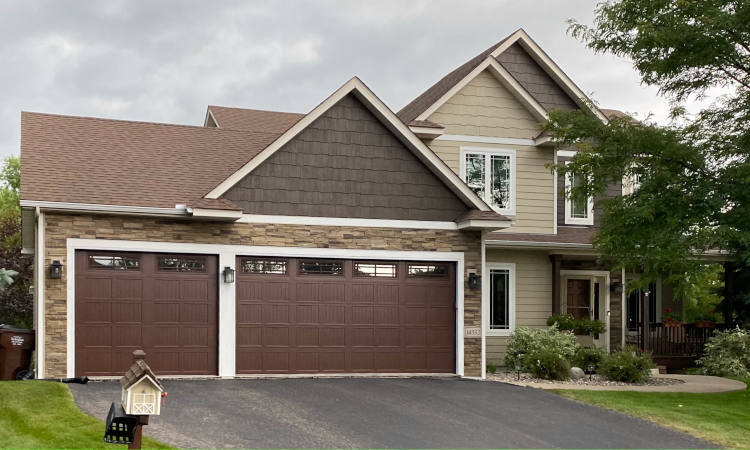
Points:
(41, 414)
(720, 418)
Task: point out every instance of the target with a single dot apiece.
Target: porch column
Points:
(555, 259)
(645, 320)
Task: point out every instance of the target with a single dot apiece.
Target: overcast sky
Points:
(165, 61)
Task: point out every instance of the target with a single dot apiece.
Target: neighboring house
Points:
(347, 240)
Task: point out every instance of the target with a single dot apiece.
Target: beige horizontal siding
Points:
(484, 107)
(533, 293)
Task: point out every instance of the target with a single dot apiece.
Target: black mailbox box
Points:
(120, 426)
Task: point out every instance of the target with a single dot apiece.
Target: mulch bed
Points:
(596, 380)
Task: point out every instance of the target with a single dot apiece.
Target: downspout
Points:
(39, 306)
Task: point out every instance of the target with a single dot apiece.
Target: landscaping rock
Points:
(576, 373)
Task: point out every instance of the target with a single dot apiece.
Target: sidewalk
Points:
(697, 384)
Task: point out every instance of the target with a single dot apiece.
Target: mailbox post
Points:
(141, 398)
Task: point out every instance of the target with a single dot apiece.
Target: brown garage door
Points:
(165, 304)
(340, 316)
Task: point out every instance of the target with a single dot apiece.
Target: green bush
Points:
(541, 351)
(491, 368)
(583, 326)
(727, 354)
(627, 365)
(586, 357)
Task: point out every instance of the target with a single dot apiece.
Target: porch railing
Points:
(683, 340)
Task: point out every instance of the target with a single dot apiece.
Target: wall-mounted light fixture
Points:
(55, 269)
(474, 280)
(228, 274)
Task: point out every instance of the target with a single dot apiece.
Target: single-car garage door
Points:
(342, 316)
(165, 304)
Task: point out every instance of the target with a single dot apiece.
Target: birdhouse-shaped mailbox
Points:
(141, 390)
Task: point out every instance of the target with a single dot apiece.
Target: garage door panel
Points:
(374, 319)
(127, 336)
(165, 312)
(94, 311)
(126, 312)
(129, 301)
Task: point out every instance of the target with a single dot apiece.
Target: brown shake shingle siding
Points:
(534, 79)
(346, 164)
(115, 162)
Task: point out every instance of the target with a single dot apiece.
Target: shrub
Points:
(491, 368)
(586, 357)
(727, 354)
(627, 365)
(541, 351)
(583, 326)
(548, 365)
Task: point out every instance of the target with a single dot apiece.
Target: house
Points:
(350, 239)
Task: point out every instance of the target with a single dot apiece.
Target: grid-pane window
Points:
(490, 175)
(264, 265)
(321, 267)
(427, 270)
(474, 176)
(500, 293)
(112, 262)
(500, 181)
(367, 269)
(579, 207)
(182, 263)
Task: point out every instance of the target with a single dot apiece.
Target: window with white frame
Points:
(501, 314)
(578, 211)
(490, 173)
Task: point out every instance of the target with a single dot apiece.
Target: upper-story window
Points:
(578, 211)
(491, 174)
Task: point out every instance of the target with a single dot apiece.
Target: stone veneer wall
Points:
(60, 227)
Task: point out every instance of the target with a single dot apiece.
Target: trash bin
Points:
(16, 345)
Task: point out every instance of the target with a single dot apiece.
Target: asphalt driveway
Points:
(380, 413)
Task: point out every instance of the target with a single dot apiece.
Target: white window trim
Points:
(511, 267)
(569, 220)
(488, 152)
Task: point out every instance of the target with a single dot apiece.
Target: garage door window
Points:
(182, 263)
(114, 262)
(264, 266)
(379, 269)
(428, 271)
(321, 267)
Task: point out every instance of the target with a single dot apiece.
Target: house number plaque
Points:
(472, 332)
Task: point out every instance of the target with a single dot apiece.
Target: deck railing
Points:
(683, 340)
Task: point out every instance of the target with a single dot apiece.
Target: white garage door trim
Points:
(227, 257)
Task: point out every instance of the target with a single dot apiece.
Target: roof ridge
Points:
(258, 110)
(143, 122)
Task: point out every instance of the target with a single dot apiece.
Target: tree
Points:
(16, 275)
(693, 176)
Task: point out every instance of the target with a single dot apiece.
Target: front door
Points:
(578, 298)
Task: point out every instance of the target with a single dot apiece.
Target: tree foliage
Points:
(16, 300)
(693, 176)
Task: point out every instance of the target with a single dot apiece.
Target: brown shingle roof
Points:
(136, 372)
(254, 119)
(116, 162)
(565, 235)
(214, 203)
(475, 214)
(425, 123)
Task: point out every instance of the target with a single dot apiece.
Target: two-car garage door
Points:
(293, 315)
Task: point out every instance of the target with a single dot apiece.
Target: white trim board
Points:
(486, 140)
(41, 273)
(347, 222)
(390, 120)
(511, 268)
(114, 209)
(227, 258)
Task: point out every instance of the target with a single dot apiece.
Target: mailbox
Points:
(141, 390)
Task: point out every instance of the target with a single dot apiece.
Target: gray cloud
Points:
(165, 61)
